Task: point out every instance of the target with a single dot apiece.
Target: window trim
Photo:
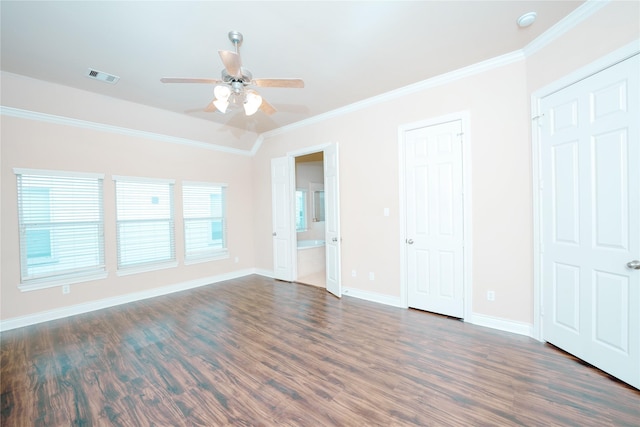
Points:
(97, 272)
(148, 266)
(209, 256)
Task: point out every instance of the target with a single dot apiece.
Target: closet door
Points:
(590, 170)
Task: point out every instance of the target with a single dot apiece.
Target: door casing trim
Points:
(291, 157)
(582, 73)
(464, 118)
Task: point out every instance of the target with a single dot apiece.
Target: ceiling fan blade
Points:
(189, 80)
(232, 63)
(266, 107)
(293, 83)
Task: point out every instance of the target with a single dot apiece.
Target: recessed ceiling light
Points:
(527, 19)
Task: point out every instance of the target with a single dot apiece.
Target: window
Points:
(301, 210)
(144, 224)
(205, 223)
(61, 228)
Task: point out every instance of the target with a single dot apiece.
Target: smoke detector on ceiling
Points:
(103, 77)
(527, 19)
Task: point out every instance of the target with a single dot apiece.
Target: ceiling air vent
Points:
(103, 77)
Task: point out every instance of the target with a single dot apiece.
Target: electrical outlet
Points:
(237, 260)
(66, 289)
(372, 276)
(354, 273)
(491, 296)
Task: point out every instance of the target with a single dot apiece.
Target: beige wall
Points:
(33, 144)
(612, 27)
(498, 102)
(35, 95)
(369, 182)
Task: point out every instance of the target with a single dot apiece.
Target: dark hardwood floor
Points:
(255, 351)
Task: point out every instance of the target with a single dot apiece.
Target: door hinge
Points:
(539, 119)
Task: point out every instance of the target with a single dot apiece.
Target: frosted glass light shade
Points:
(221, 105)
(252, 103)
(222, 92)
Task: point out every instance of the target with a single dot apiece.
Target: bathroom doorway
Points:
(283, 185)
(310, 219)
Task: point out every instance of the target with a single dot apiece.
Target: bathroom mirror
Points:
(318, 205)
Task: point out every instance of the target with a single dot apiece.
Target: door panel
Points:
(590, 204)
(567, 296)
(282, 219)
(566, 193)
(610, 190)
(332, 220)
(434, 218)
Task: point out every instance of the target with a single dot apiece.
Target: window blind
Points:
(144, 222)
(61, 226)
(205, 224)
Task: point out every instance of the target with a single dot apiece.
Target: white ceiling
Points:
(344, 51)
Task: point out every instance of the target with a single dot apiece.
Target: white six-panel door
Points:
(332, 220)
(434, 218)
(590, 219)
(283, 243)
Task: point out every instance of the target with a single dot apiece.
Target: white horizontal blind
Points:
(61, 225)
(205, 223)
(144, 222)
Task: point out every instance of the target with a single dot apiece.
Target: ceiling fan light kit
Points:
(232, 88)
(252, 102)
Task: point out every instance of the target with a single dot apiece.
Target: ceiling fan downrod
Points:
(236, 38)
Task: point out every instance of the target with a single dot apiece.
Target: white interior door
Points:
(434, 218)
(282, 218)
(332, 220)
(590, 228)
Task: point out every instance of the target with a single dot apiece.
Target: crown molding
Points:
(583, 12)
(256, 145)
(436, 81)
(84, 124)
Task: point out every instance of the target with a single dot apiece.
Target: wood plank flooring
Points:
(258, 352)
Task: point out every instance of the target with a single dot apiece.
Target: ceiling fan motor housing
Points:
(245, 80)
(232, 88)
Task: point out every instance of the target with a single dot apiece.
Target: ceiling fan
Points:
(233, 88)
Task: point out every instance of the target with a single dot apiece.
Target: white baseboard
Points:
(59, 313)
(265, 273)
(46, 316)
(373, 297)
(476, 319)
(519, 328)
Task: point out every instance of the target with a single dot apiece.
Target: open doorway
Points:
(310, 219)
(283, 185)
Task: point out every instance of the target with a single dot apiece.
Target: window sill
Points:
(51, 283)
(206, 258)
(146, 268)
